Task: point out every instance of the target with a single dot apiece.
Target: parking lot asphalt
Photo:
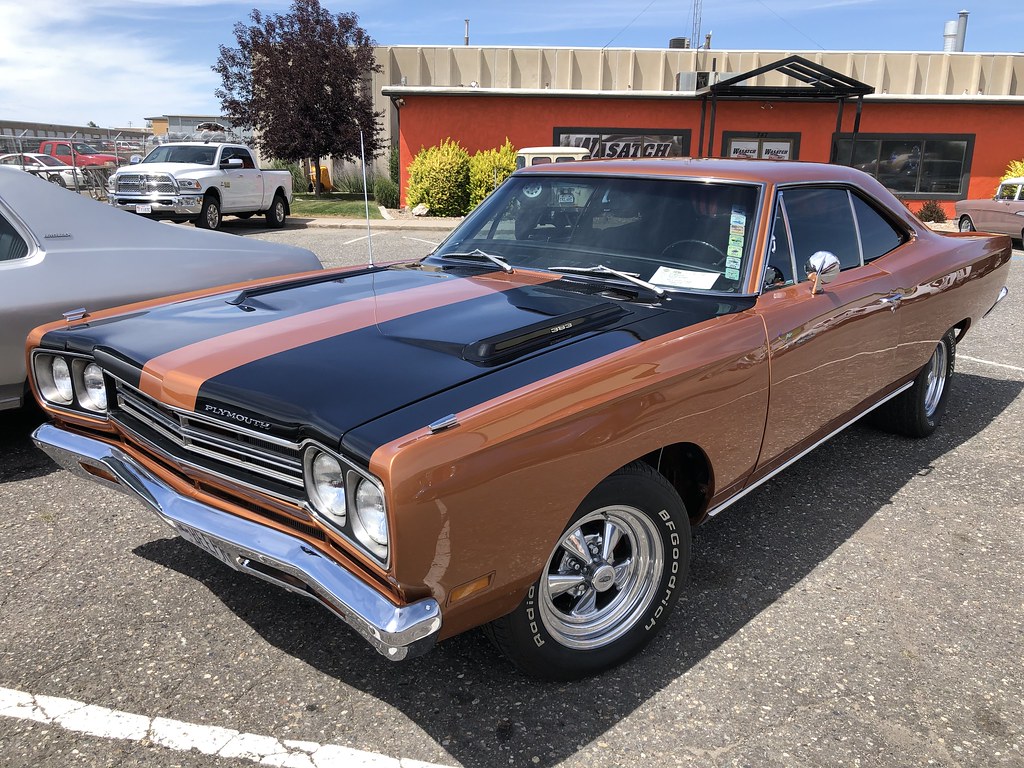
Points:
(864, 608)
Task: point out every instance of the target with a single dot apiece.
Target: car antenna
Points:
(366, 199)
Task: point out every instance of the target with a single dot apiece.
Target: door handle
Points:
(892, 301)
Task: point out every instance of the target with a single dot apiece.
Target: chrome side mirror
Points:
(822, 268)
(135, 159)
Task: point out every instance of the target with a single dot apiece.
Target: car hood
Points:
(321, 356)
(175, 169)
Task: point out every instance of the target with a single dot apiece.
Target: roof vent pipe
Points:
(961, 30)
(949, 37)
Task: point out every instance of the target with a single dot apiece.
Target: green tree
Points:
(301, 80)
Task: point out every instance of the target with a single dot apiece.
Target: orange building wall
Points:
(483, 122)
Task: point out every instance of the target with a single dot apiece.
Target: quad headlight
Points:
(71, 382)
(348, 499)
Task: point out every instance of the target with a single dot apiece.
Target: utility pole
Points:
(695, 34)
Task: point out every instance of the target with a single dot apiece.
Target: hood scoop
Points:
(551, 330)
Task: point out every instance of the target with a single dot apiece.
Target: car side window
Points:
(782, 268)
(1007, 192)
(821, 219)
(64, 150)
(12, 245)
(877, 235)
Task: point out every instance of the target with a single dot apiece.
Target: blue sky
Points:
(116, 62)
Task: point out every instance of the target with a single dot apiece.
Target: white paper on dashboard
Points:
(684, 278)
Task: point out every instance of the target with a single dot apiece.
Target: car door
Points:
(246, 181)
(1005, 220)
(831, 352)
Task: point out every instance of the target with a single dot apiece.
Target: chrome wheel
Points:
(601, 578)
(966, 225)
(212, 217)
(935, 379)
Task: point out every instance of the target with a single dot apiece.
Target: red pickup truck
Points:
(78, 153)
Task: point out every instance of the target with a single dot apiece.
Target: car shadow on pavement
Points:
(483, 712)
(21, 459)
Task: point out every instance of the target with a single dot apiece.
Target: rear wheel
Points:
(56, 179)
(609, 583)
(277, 212)
(966, 225)
(209, 216)
(918, 411)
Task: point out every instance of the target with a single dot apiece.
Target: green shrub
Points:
(385, 192)
(932, 211)
(439, 177)
(487, 169)
(394, 169)
(350, 179)
(1014, 170)
(299, 181)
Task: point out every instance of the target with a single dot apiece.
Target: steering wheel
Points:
(718, 262)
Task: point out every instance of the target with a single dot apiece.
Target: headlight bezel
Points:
(352, 529)
(42, 361)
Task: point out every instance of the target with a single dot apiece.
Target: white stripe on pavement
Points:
(173, 734)
(419, 240)
(990, 362)
(364, 237)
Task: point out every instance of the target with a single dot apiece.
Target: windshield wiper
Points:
(601, 269)
(478, 255)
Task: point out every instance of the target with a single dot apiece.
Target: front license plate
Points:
(143, 208)
(206, 544)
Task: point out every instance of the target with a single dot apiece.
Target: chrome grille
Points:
(210, 444)
(144, 183)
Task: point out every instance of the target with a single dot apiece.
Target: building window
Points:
(764, 146)
(925, 166)
(626, 142)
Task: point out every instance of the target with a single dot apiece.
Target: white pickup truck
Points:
(200, 182)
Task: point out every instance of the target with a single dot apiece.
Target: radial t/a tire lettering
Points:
(609, 584)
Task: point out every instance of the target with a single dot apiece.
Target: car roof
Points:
(553, 150)
(738, 169)
(1013, 180)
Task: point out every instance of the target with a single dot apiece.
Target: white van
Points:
(539, 155)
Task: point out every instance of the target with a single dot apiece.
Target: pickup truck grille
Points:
(143, 183)
(262, 461)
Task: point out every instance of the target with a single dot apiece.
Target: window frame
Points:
(33, 251)
(799, 276)
(924, 138)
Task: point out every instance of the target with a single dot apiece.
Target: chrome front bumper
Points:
(161, 205)
(397, 632)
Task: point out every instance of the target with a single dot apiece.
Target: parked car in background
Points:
(79, 154)
(45, 167)
(520, 430)
(60, 252)
(528, 156)
(200, 182)
(1002, 213)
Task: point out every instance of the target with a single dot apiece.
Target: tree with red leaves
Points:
(303, 81)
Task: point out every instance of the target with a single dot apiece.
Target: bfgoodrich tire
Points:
(609, 584)
(918, 411)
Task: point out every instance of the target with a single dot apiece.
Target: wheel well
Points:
(960, 329)
(687, 467)
(214, 194)
(284, 199)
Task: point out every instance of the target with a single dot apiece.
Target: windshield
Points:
(676, 234)
(179, 154)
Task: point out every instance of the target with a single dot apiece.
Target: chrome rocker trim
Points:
(397, 632)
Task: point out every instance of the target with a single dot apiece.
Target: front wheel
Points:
(966, 225)
(209, 216)
(918, 411)
(277, 212)
(609, 584)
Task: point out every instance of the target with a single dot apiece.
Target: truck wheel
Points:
(609, 584)
(277, 212)
(209, 216)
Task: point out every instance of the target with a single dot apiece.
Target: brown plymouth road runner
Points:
(520, 430)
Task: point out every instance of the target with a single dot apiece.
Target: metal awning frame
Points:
(820, 84)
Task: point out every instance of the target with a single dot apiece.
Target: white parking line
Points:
(419, 240)
(173, 734)
(990, 362)
(364, 237)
